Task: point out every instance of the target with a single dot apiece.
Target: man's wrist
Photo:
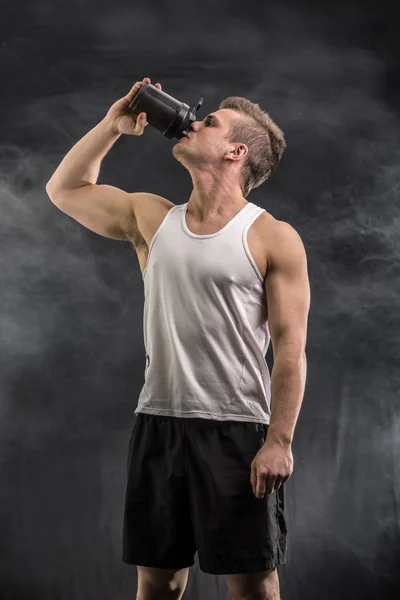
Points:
(110, 127)
(278, 438)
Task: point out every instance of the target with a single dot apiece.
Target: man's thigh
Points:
(235, 532)
(157, 529)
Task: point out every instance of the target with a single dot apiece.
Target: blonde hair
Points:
(264, 139)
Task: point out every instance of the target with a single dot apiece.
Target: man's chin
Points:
(176, 153)
(177, 149)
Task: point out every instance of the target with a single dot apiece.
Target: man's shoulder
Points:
(281, 238)
(147, 201)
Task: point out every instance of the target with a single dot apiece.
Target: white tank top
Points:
(205, 323)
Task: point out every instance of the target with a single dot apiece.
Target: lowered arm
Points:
(288, 299)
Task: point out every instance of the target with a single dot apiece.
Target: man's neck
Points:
(214, 197)
(204, 208)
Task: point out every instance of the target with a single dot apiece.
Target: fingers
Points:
(269, 485)
(137, 86)
(260, 486)
(266, 484)
(257, 482)
(148, 80)
(141, 120)
(141, 123)
(253, 477)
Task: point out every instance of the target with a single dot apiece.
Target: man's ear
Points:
(238, 152)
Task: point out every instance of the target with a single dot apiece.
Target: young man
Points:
(210, 450)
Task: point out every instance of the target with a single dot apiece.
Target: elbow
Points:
(50, 187)
(292, 349)
(55, 194)
(50, 192)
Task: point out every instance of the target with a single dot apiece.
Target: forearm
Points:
(82, 163)
(288, 380)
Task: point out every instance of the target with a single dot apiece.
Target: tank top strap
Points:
(252, 212)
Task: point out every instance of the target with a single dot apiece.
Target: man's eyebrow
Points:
(212, 117)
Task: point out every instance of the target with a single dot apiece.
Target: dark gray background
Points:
(72, 354)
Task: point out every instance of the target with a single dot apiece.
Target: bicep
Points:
(103, 209)
(288, 290)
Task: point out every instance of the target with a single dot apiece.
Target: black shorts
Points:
(188, 489)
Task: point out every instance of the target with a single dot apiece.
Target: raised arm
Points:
(104, 209)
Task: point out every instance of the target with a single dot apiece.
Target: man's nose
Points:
(195, 126)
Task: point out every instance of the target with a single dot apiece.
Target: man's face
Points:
(206, 142)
